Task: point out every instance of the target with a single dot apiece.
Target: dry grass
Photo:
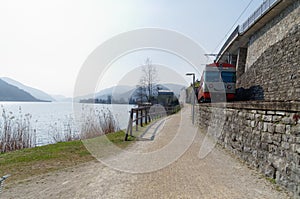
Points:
(16, 132)
(98, 122)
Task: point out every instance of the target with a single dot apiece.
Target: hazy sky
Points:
(43, 44)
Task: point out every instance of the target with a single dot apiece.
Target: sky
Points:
(44, 44)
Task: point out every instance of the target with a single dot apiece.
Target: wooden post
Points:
(142, 117)
(131, 120)
(146, 116)
(136, 119)
(129, 127)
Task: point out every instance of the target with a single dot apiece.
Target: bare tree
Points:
(141, 93)
(149, 79)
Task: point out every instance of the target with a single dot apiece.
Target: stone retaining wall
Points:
(274, 31)
(275, 76)
(265, 135)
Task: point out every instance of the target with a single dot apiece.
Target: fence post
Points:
(136, 119)
(148, 110)
(131, 120)
(145, 118)
(142, 117)
(129, 127)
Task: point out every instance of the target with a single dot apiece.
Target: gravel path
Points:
(218, 175)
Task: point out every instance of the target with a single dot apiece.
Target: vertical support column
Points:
(241, 63)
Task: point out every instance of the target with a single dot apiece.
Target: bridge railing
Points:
(265, 6)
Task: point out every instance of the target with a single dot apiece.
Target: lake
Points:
(48, 118)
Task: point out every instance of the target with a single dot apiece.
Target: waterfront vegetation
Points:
(17, 132)
(30, 162)
(20, 157)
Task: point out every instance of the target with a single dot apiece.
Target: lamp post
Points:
(193, 107)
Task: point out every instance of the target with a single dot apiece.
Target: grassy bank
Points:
(29, 162)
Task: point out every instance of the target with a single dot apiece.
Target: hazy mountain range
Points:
(38, 94)
(12, 90)
(124, 94)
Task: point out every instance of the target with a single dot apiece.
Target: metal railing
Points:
(232, 36)
(264, 7)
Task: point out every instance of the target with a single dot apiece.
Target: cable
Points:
(233, 24)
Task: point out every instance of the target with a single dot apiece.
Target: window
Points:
(212, 76)
(228, 77)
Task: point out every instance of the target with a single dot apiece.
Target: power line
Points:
(233, 24)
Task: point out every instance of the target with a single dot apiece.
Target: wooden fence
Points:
(142, 115)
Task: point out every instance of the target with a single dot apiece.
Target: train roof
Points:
(217, 64)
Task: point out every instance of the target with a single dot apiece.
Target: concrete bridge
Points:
(265, 50)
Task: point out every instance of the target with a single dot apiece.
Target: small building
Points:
(166, 97)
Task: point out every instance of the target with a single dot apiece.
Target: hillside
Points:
(36, 93)
(9, 92)
(122, 94)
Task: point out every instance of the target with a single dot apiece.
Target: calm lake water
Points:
(48, 117)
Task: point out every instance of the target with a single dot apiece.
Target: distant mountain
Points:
(112, 91)
(124, 94)
(61, 98)
(38, 94)
(9, 92)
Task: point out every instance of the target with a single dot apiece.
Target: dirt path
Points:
(218, 175)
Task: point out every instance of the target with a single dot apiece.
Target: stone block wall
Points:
(265, 135)
(274, 31)
(277, 71)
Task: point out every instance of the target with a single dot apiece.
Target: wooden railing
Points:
(2, 179)
(142, 115)
(138, 116)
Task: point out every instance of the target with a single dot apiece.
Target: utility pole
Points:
(193, 105)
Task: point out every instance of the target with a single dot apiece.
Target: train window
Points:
(228, 76)
(212, 76)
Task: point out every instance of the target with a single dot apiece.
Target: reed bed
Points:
(97, 122)
(16, 132)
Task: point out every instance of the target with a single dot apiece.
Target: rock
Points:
(280, 128)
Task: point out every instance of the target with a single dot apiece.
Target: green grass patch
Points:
(29, 162)
(273, 181)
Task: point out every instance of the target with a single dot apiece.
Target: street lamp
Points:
(193, 107)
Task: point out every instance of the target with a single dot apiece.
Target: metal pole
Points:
(193, 99)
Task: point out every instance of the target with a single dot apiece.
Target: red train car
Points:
(217, 83)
